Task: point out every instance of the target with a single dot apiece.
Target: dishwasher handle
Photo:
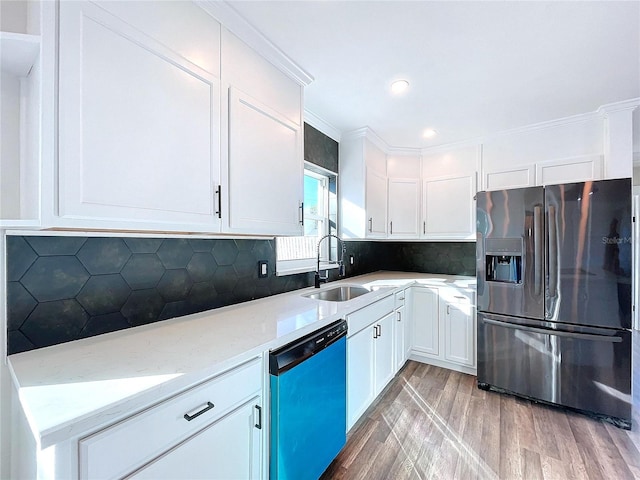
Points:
(296, 352)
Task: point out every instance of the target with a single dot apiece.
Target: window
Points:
(299, 254)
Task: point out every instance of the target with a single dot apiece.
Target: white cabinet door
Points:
(567, 170)
(514, 177)
(360, 369)
(448, 207)
(425, 320)
(400, 337)
(139, 116)
(384, 369)
(228, 449)
(459, 334)
(376, 201)
(404, 207)
(265, 169)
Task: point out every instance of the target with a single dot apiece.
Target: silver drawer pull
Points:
(460, 297)
(188, 417)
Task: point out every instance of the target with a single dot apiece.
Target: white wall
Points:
(5, 381)
(10, 146)
(636, 146)
(636, 132)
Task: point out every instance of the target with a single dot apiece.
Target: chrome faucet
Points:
(318, 279)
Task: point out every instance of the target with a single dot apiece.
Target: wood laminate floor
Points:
(435, 423)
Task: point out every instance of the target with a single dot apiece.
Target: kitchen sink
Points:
(340, 293)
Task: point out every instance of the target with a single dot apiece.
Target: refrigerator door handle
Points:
(537, 249)
(553, 252)
(557, 333)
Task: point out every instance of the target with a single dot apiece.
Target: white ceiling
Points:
(475, 68)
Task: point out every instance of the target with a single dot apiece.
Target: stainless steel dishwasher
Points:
(308, 380)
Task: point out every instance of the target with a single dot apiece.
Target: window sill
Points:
(282, 270)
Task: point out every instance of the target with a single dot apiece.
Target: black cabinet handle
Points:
(188, 417)
(219, 193)
(259, 424)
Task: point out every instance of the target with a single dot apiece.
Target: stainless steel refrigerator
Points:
(554, 295)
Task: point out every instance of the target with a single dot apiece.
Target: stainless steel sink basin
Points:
(340, 293)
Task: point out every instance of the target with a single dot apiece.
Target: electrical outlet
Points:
(263, 269)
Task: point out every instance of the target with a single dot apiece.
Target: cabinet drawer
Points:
(369, 314)
(117, 450)
(399, 299)
(458, 296)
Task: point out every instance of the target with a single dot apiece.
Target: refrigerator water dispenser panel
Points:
(504, 260)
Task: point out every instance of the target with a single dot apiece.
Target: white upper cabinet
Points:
(566, 170)
(561, 151)
(363, 187)
(263, 152)
(448, 194)
(376, 204)
(403, 196)
(513, 177)
(404, 207)
(376, 190)
(139, 110)
(20, 138)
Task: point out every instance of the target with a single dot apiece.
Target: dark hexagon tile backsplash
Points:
(61, 289)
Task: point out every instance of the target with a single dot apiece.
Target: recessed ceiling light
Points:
(429, 133)
(399, 86)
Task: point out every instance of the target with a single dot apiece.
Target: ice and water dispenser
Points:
(503, 257)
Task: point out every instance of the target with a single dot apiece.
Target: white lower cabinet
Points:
(214, 430)
(425, 320)
(444, 327)
(360, 366)
(401, 331)
(383, 353)
(228, 449)
(370, 366)
(459, 332)
(370, 356)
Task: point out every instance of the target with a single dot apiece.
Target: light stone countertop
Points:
(77, 387)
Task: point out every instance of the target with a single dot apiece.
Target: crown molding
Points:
(319, 124)
(238, 25)
(598, 114)
(472, 142)
(630, 104)
(369, 134)
(404, 151)
(558, 122)
(603, 110)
